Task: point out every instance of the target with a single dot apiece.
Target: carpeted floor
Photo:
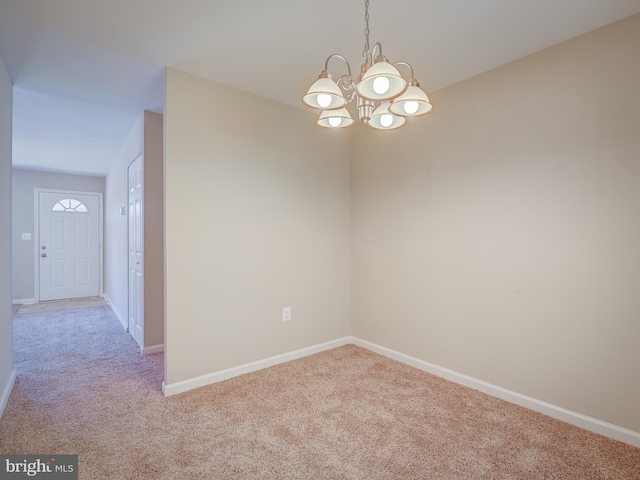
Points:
(346, 413)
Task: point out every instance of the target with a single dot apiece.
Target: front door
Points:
(69, 245)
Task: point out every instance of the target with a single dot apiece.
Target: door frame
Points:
(36, 235)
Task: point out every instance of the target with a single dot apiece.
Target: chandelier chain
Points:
(365, 53)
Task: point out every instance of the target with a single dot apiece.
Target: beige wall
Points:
(153, 230)
(146, 138)
(6, 326)
(500, 237)
(24, 182)
(257, 218)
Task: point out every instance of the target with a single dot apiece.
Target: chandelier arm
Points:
(378, 45)
(406, 64)
(336, 55)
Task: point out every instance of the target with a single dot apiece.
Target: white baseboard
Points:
(583, 421)
(4, 398)
(152, 349)
(24, 301)
(559, 413)
(116, 312)
(185, 385)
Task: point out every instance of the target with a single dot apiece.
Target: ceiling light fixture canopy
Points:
(383, 96)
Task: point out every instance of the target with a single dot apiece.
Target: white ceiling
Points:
(84, 70)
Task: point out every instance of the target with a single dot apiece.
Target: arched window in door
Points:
(70, 205)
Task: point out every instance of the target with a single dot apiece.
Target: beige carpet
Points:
(343, 414)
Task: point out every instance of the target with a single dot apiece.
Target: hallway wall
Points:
(146, 139)
(7, 372)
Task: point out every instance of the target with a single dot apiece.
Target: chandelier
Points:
(383, 97)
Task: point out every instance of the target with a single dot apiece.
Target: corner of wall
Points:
(7, 372)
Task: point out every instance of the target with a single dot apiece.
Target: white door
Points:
(136, 265)
(69, 242)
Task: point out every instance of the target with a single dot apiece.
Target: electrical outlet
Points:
(286, 314)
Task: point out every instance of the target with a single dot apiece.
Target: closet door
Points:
(136, 253)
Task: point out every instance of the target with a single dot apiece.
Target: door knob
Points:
(43, 255)
(43, 247)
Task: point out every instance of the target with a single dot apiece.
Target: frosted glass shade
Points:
(339, 118)
(397, 84)
(383, 119)
(323, 88)
(405, 104)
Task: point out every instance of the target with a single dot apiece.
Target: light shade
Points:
(330, 95)
(411, 103)
(377, 71)
(383, 119)
(335, 118)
